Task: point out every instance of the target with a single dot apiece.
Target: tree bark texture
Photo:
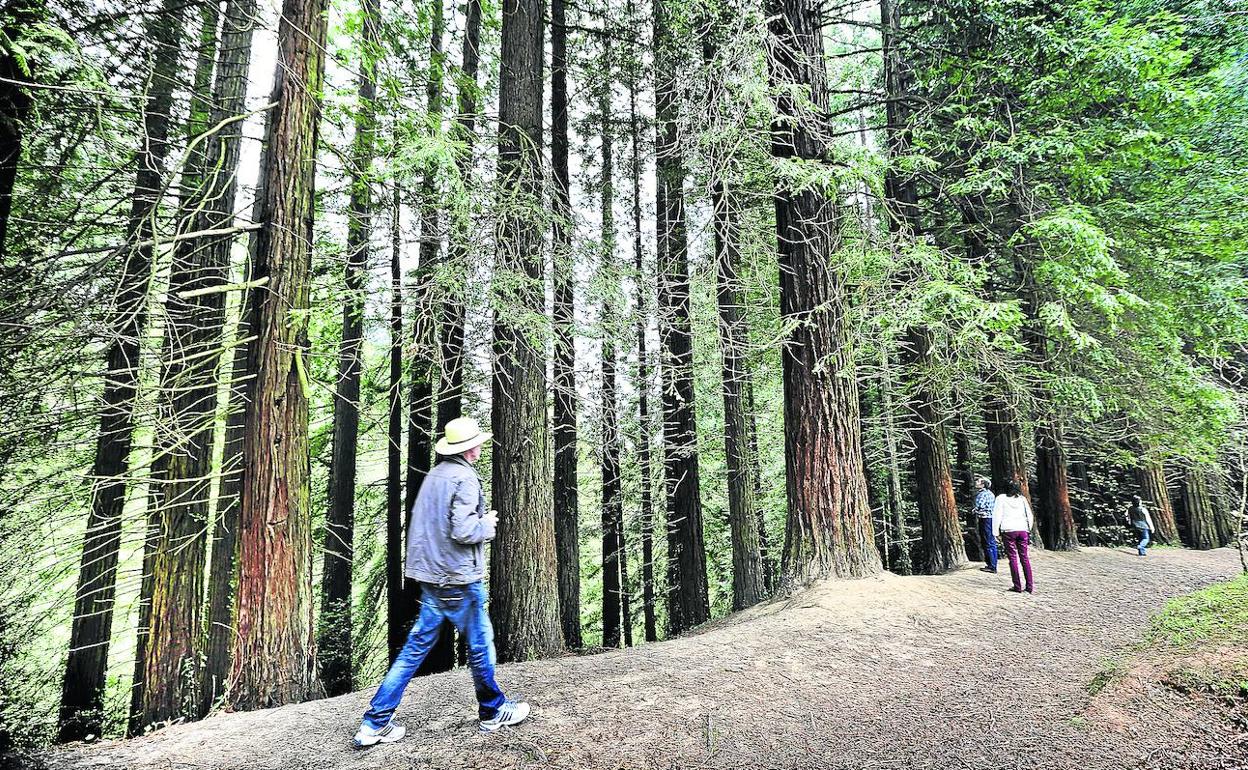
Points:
(828, 530)
(567, 506)
(424, 334)
(15, 104)
(1151, 477)
(222, 152)
(451, 294)
(645, 439)
(966, 492)
(274, 647)
(613, 586)
(334, 634)
(524, 594)
(86, 668)
(687, 600)
(1197, 508)
(748, 580)
(1056, 520)
(167, 662)
(400, 614)
(942, 546)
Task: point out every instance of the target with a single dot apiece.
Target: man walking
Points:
(984, 502)
(446, 554)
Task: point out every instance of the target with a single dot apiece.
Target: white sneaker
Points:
(510, 713)
(367, 736)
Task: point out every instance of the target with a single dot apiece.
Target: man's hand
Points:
(492, 518)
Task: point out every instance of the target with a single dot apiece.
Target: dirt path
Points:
(889, 672)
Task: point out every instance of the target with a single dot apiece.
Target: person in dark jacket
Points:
(446, 554)
(1142, 521)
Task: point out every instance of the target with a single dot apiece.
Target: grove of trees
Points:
(748, 293)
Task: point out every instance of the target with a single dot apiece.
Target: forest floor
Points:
(887, 672)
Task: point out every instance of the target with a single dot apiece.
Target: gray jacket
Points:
(447, 537)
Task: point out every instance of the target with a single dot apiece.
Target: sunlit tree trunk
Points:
(274, 649)
(828, 531)
(167, 655)
(1197, 507)
(223, 151)
(1151, 477)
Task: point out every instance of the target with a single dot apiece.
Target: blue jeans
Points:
(990, 542)
(1144, 539)
(464, 607)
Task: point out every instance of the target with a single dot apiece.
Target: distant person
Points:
(1012, 520)
(1140, 518)
(984, 503)
(446, 553)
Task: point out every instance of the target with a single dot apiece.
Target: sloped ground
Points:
(889, 672)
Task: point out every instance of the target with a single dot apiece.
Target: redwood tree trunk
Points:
(966, 491)
(828, 530)
(688, 603)
(748, 580)
(524, 595)
(938, 510)
(400, 614)
(223, 149)
(1194, 499)
(14, 105)
(645, 439)
(334, 647)
(613, 586)
(424, 334)
(1151, 477)
(1057, 521)
(167, 662)
(81, 711)
(567, 506)
(274, 648)
(451, 315)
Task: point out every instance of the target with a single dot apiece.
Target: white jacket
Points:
(1011, 514)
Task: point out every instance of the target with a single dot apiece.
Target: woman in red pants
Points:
(1012, 519)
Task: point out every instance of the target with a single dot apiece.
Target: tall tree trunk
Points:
(334, 649)
(1006, 456)
(524, 594)
(966, 491)
(748, 581)
(167, 661)
(400, 614)
(688, 602)
(938, 510)
(274, 658)
(451, 314)
(1056, 519)
(645, 439)
(900, 556)
(15, 105)
(223, 151)
(828, 530)
(612, 493)
(81, 711)
(424, 333)
(764, 542)
(1197, 507)
(567, 506)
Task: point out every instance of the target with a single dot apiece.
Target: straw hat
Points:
(462, 434)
